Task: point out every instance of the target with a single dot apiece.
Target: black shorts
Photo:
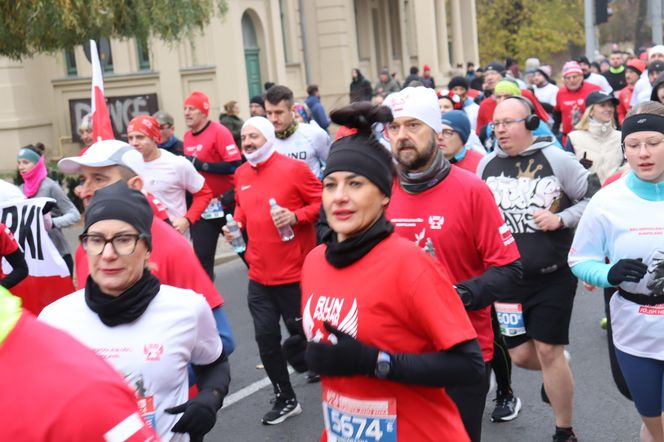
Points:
(547, 302)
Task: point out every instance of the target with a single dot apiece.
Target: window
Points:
(143, 54)
(70, 62)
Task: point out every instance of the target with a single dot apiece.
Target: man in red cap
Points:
(427, 79)
(211, 149)
(168, 176)
(633, 71)
(571, 99)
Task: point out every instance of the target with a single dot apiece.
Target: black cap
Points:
(118, 201)
(596, 97)
(495, 66)
(656, 66)
(458, 81)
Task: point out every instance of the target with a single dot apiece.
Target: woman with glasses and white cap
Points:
(149, 332)
(623, 222)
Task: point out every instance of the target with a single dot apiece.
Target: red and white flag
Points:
(101, 121)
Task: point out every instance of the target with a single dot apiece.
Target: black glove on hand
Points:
(294, 348)
(200, 414)
(585, 162)
(627, 270)
(346, 358)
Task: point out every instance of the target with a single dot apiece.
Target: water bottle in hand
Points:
(285, 232)
(237, 242)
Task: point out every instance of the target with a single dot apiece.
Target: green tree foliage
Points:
(528, 28)
(32, 26)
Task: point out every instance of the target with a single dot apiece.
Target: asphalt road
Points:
(600, 412)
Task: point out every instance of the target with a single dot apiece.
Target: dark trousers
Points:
(267, 304)
(205, 234)
(501, 362)
(470, 401)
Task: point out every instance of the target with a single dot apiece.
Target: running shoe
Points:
(507, 407)
(565, 436)
(283, 409)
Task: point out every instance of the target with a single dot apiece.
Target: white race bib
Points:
(213, 210)
(510, 318)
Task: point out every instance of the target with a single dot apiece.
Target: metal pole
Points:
(656, 21)
(589, 26)
(303, 31)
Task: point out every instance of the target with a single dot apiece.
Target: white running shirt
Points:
(310, 144)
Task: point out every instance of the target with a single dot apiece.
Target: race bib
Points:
(146, 408)
(349, 419)
(510, 318)
(213, 210)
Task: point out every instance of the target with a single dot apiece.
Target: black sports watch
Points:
(383, 365)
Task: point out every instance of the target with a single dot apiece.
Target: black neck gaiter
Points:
(343, 254)
(128, 306)
(416, 182)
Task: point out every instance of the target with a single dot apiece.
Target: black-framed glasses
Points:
(123, 244)
(506, 124)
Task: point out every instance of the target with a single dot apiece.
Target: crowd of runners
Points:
(415, 243)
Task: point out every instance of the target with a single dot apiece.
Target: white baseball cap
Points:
(416, 102)
(105, 153)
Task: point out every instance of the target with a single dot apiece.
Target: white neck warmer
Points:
(261, 154)
(599, 130)
(264, 152)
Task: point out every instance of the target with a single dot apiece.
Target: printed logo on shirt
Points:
(189, 150)
(153, 351)
(333, 310)
(231, 149)
(505, 235)
(245, 187)
(436, 222)
(298, 155)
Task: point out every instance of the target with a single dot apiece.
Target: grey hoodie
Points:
(541, 177)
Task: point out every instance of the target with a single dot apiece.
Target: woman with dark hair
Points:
(623, 223)
(360, 87)
(387, 331)
(230, 118)
(147, 331)
(36, 183)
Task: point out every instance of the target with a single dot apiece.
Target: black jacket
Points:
(360, 89)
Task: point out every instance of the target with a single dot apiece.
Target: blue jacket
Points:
(317, 111)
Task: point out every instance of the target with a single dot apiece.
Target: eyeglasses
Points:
(650, 144)
(123, 244)
(411, 127)
(447, 133)
(506, 123)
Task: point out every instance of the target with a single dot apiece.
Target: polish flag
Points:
(101, 121)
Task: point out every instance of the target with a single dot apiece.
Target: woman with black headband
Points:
(386, 330)
(625, 222)
(149, 332)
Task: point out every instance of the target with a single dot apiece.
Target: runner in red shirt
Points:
(10, 250)
(571, 99)
(452, 214)
(210, 147)
(109, 161)
(633, 71)
(72, 394)
(401, 339)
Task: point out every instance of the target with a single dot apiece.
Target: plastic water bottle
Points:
(285, 232)
(237, 242)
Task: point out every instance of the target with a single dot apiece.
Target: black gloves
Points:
(627, 270)
(200, 414)
(585, 162)
(294, 348)
(346, 358)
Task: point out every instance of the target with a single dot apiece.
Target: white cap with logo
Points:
(416, 102)
(105, 153)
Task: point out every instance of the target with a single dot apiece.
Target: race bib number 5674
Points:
(350, 419)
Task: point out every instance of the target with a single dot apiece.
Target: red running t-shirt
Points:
(567, 101)
(395, 298)
(214, 144)
(468, 233)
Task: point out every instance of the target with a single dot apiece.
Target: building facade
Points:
(290, 42)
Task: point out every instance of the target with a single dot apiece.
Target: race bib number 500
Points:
(510, 318)
(350, 419)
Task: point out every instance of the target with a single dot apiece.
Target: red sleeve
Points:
(436, 308)
(483, 117)
(157, 207)
(621, 109)
(201, 199)
(81, 267)
(310, 189)
(106, 411)
(556, 108)
(225, 145)
(494, 239)
(8, 244)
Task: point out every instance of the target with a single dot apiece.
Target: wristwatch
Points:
(383, 365)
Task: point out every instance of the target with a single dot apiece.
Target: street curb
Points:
(224, 258)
